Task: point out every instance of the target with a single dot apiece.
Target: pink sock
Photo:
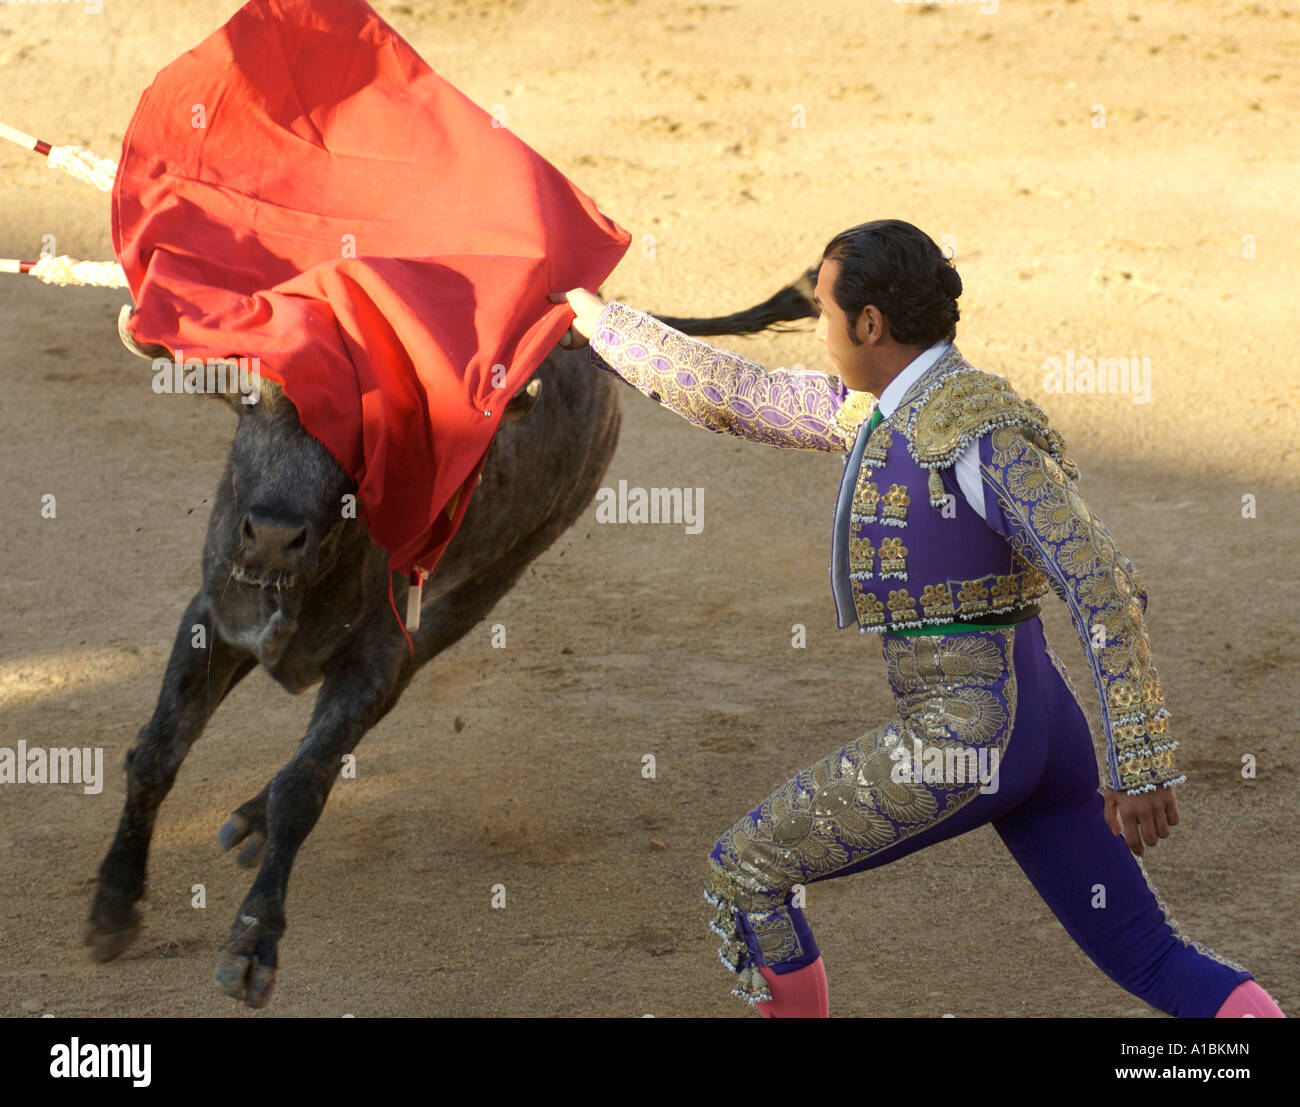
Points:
(797, 995)
(1247, 999)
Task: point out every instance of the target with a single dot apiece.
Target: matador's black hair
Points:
(899, 269)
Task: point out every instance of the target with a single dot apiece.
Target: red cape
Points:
(353, 221)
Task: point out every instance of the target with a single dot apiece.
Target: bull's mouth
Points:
(269, 580)
(257, 610)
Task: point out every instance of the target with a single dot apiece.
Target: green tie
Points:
(876, 420)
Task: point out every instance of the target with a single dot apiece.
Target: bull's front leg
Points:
(358, 689)
(196, 681)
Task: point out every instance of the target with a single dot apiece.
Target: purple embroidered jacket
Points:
(906, 558)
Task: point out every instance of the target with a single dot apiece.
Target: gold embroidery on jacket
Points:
(893, 558)
(1062, 539)
(722, 391)
(861, 554)
(902, 607)
(936, 601)
(949, 385)
(866, 495)
(965, 404)
(938, 495)
(972, 596)
(856, 407)
(871, 612)
(880, 442)
(1005, 591)
(894, 511)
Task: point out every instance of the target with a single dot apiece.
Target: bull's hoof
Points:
(239, 829)
(244, 979)
(106, 944)
(246, 968)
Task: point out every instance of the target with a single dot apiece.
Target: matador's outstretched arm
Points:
(725, 392)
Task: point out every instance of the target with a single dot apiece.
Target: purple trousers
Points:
(967, 702)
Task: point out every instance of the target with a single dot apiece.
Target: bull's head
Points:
(280, 526)
(284, 545)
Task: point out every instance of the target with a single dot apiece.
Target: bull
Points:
(292, 586)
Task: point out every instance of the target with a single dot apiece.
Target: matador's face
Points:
(848, 358)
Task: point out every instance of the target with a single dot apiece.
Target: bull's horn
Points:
(149, 353)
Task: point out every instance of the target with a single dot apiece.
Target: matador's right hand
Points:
(587, 307)
(1142, 818)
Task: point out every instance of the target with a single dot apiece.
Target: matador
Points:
(959, 510)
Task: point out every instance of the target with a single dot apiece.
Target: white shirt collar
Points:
(896, 389)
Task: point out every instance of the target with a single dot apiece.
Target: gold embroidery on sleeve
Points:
(1098, 585)
(722, 391)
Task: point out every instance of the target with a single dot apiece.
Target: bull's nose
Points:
(274, 541)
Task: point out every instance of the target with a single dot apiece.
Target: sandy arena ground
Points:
(680, 119)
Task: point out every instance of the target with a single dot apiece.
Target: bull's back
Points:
(541, 473)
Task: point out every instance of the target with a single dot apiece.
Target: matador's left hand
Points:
(1142, 818)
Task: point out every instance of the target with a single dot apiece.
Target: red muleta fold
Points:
(302, 188)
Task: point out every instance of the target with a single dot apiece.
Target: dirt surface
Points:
(681, 120)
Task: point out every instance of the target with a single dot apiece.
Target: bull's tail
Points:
(792, 303)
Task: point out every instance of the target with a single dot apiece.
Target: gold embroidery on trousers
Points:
(965, 659)
(852, 803)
